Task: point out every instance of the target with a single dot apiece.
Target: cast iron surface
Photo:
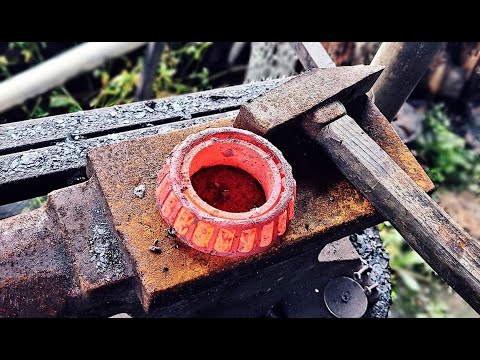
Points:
(41, 155)
(305, 298)
(327, 204)
(65, 259)
(345, 298)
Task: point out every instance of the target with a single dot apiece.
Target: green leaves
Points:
(195, 50)
(445, 155)
(29, 50)
(408, 279)
(61, 98)
(178, 71)
(38, 112)
(412, 278)
(57, 101)
(118, 90)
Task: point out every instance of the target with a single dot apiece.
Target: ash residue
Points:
(139, 191)
(105, 250)
(369, 246)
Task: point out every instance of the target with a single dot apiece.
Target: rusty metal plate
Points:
(94, 250)
(35, 277)
(345, 298)
(326, 202)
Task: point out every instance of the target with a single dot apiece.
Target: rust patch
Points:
(34, 273)
(325, 202)
(377, 126)
(94, 249)
(228, 188)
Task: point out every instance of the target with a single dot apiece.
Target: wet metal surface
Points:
(37, 171)
(94, 250)
(35, 277)
(63, 258)
(80, 254)
(47, 131)
(327, 203)
(345, 298)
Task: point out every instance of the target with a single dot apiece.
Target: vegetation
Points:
(113, 83)
(177, 73)
(448, 161)
(414, 282)
(452, 166)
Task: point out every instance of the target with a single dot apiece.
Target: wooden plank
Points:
(446, 247)
(312, 55)
(151, 59)
(36, 172)
(47, 131)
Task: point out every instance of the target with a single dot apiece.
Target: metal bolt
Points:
(346, 297)
(358, 274)
(368, 289)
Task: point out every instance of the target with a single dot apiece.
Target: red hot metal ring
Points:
(214, 231)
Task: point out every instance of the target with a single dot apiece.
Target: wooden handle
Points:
(426, 227)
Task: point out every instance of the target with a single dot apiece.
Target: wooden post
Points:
(405, 63)
(446, 247)
(312, 55)
(153, 53)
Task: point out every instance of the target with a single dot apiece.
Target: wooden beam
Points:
(153, 53)
(446, 247)
(312, 55)
(405, 63)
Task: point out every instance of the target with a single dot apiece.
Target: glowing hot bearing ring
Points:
(214, 231)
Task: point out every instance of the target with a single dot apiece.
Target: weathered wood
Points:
(446, 247)
(387, 186)
(153, 53)
(312, 55)
(405, 62)
(47, 131)
(36, 172)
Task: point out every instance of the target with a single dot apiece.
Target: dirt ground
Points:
(463, 207)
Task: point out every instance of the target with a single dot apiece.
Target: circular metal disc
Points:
(345, 298)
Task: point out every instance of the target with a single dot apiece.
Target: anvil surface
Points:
(327, 206)
(90, 245)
